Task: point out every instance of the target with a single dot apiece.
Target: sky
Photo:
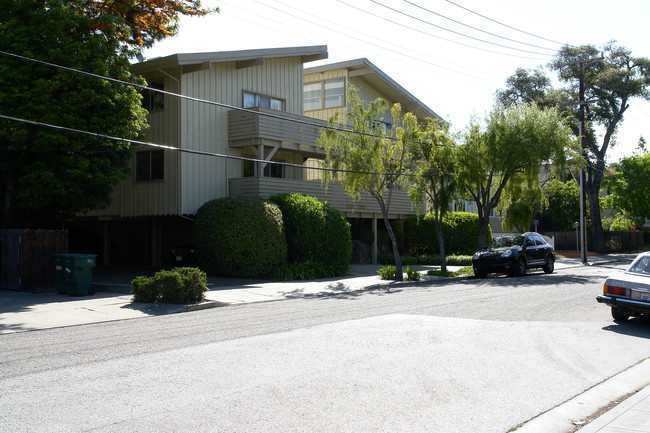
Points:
(451, 55)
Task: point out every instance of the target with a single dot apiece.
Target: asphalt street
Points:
(462, 356)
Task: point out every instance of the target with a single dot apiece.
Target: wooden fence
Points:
(617, 242)
(26, 258)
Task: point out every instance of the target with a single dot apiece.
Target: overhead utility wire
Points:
(191, 151)
(455, 32)
(505, 25)
(190, 98)
(382, 45)
(476, 28)
(432, 35)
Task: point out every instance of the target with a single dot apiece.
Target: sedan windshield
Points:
(642, 266)
(507, 241)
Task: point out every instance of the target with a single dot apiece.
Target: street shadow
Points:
(343, 292)
(635, 327)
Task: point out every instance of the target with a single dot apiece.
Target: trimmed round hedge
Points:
(315, 231)
(240, 237)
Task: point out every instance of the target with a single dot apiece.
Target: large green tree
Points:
(628, 185)
(611, 77)
(48, 175)
(433, 155)
(374, 157)
(562, 205)
(512, 145)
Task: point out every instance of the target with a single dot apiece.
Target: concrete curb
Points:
(592, 403)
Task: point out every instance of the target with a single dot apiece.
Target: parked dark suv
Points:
(514, 254)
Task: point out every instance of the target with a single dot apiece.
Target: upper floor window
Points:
(256, 100)
(152, 100)
(149, 165)
(324, 94)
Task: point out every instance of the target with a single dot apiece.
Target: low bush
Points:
(412, 274)
(426, 259)
(388, 272)
(176, 286)
(467, 270)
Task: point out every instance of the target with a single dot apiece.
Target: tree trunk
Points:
(399, 274)
(483, 223)
(441, 245)
(597, 233)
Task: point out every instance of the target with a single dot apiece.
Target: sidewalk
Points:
(20, 312)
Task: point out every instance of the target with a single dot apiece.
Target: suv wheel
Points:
(549, 266)
(479, 273)
(520, 269)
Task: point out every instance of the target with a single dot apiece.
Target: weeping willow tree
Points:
(508, 149)
(372, 157)
(434, 168)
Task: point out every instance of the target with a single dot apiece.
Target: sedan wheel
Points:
(619, 315)
(549, 266)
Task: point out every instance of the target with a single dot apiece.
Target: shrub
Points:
(240, 236)
(315, 231)
(467, 270)
(426, 259)
(459, 260)
(308, 271)
(412, 274)
(409, 260)
(176, 286)
(460, 229)
(388, 272)
(461, 233)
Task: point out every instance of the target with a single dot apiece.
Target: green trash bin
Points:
(73, 273)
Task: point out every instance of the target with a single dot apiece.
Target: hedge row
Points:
(249, 237)
(417, 235)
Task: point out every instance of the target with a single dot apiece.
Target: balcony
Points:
(273, 128)
(367, 207)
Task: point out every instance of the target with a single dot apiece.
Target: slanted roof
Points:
(197, 61)
(378, 79)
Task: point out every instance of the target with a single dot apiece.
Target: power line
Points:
(184, 150)
(190, 98)
(505, 25)
(475, 28)
(455, 32)
(400, 50)
(434, 36)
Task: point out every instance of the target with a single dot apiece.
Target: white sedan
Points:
(628, 293)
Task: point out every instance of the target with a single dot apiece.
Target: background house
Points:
(266, 107)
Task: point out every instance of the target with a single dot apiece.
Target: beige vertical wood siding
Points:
(160, 197)
(206, 128)
(191, 180)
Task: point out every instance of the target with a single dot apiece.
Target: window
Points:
(324, 94)
(270, 170)
(385, 127)
(311, 96)
(334, 93)
(152, 100)
(149, 165)
(256, 100)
